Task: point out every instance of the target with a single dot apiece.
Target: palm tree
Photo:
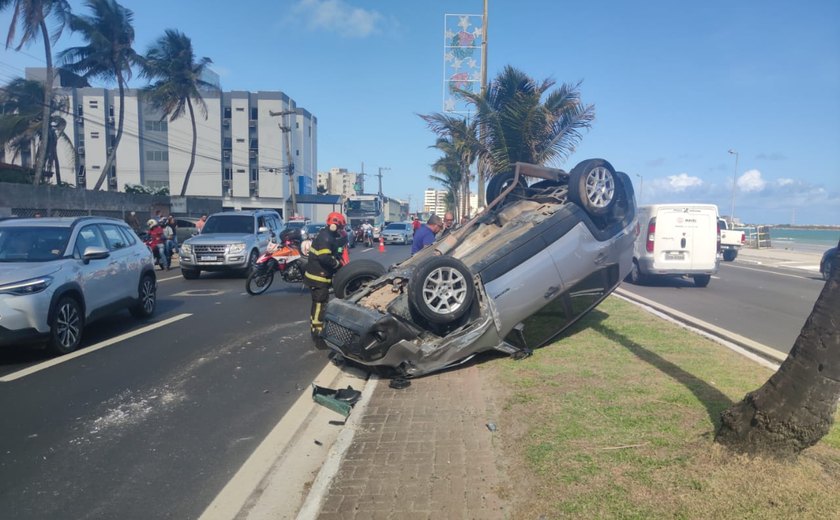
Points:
(521, 126)
(462, 137)
(21, 121)
(31, 16)
(108, 55)
(176, 81)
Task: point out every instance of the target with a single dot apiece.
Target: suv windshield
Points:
(33, 244)
(229, 224)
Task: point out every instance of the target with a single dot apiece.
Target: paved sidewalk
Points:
(421, 452)
(805, 260)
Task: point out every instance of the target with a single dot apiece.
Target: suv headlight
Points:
(186, 249)
(32, 286)
(236, 248)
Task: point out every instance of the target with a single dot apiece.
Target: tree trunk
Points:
(192, 152)
(795, 408)
(41, 159)
(109, 163)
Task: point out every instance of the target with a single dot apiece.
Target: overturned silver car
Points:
(515, 277)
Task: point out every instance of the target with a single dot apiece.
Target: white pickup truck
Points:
(730, 240)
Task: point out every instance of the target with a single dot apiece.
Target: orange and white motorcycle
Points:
(286, 258)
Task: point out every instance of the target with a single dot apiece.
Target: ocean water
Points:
(804, 239)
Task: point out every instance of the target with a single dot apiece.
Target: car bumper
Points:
(394, 240)
(646, 267)
(214, 262)
(22, 317)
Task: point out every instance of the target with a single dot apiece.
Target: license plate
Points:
(674, 256)
(208, 258)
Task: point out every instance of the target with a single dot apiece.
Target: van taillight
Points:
(651, 236)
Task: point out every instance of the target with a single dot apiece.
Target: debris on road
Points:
(340, 401)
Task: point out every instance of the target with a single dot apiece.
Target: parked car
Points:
(231, 240)
(185, 228)
(59, 274)
(298, 224)
(398, 233)
(827, 262)
(511, 279)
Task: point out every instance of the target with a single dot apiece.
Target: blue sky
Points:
(675, 85)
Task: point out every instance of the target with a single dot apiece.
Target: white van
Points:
(677, 240)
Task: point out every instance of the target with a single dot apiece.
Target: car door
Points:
(124, 263)
(93, 276)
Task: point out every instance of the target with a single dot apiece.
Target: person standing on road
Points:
(448, 224)
(425, 236)
(325, 255)
(200, 224)
(415, 225)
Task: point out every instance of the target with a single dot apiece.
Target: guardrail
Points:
(757, 237)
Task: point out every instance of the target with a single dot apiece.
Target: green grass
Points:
(617, 420)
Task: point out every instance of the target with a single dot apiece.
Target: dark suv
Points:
(59, 274)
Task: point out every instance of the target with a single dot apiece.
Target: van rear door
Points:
(686, 238)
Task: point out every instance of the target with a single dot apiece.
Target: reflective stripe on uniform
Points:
(317, 252)
(317, 278)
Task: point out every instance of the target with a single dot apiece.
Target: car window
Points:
(113, 236)
(229, 224)
(181, 223)
(35, 244)
(130, 236)
(89, 236)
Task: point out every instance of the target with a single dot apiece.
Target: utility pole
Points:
(380, 177)
(290, 165)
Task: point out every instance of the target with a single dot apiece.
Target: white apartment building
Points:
(339, 181)
(434, 201)
(241, 151)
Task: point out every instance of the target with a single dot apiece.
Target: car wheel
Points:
(729, 255)
(592, 186)
(252, 263)
(259, 281)
(635, 276)
(147, 298)
(67, 326)
(190, 274)
(354, 275)
(499, 183)
(702, 280)
(441, 289)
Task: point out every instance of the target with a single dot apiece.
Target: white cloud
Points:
(337, 16)
(784, 182)
(751, 181)
(682, 182)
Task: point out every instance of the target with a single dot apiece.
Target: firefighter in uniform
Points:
(325, 258)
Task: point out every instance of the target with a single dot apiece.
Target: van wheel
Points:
(66, 327)
(635, 275)
(592, 186)
(702, 280)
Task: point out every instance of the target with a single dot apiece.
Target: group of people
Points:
(163, 238)
(434, 229)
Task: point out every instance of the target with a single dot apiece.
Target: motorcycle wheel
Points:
(259, 281)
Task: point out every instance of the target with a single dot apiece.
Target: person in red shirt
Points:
(157, 242)
(415, 225)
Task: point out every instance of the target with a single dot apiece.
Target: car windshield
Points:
(229, 224)
(313, 229)
(395, 227)
(33, 244)
(295, 224)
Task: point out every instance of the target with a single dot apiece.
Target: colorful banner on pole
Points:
(463, 37)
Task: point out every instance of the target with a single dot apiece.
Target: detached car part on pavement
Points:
(512, 279)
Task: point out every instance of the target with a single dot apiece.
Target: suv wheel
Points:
(190, 274)
(147, 298)
(252, 263)
(592, 186)
(441, 289)
(66, 327)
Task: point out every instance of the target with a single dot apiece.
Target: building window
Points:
(240, 109)
(227, 174)
(157, 155)
(253, 143)
(254, 174)
(111, 110)
(227, 112)
(93, 104)
(156, 126)
(240, 170)
(94, 135)
(228, 142)
(253, 113)
(240, 140)
(297, 152)
(297, 124)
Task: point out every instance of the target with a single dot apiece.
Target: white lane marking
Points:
(771, 272)
(715, 277)
(102, 344)
(170, 278)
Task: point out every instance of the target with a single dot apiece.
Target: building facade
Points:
(434, 201)
(244, 148)
(340, 181)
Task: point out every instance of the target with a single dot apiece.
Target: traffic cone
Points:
(381, 244)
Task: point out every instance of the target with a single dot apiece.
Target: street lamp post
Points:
(734, 186)
(641, 187)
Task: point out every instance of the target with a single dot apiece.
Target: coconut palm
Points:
(21, 104)
(108, 56)
(31, 16)
(462, 137)
(525, 122)
(175, 74)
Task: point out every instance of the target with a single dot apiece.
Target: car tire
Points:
(729, 255)
(635, 275)
(190, 274)
(252, 263)
(701, 280)
(593, 186)
(66, 326)
(354, 275)
(499, 183)
(147, 298)
(441, 290)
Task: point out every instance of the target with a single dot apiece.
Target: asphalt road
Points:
(155, 424)
(764, 303)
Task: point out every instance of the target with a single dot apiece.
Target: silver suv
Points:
(232, 240)
(59, 274)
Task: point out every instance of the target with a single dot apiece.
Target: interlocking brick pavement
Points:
(420, 453)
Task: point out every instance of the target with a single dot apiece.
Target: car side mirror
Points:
(95, 253)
